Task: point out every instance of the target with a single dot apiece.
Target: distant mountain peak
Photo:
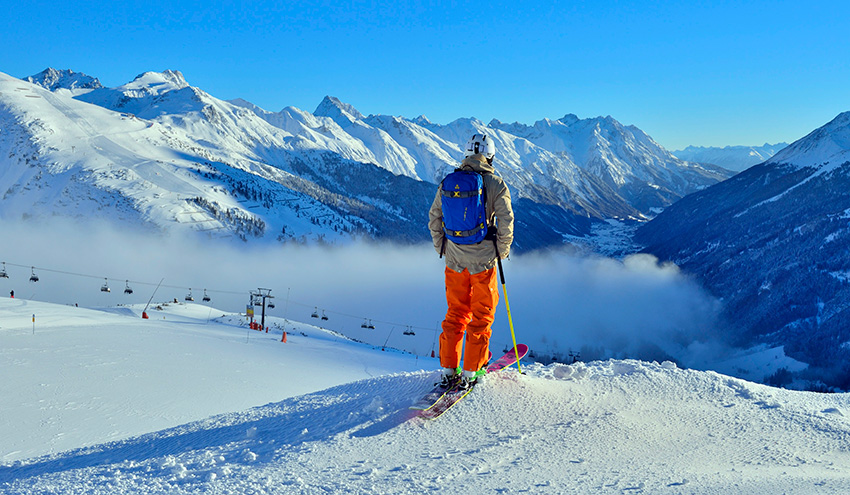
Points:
(170, 79)
(827, 144)
(53, 79)
(839, 125)
(569, 119)
(737, 158)
(341, 113)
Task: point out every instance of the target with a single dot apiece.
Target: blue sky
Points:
(703, 73)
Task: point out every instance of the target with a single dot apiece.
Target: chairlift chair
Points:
(364, 324)
(189, 296)
(34, 277)
(371, 326)
(3, 271)
(270, 305)
(127, 289)
(105, 286)
(206, 297)
(315, 313)
(324, 316)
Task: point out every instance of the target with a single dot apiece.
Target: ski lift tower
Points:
(261, 295)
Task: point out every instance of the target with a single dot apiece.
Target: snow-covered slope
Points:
(825, 148)
(772, 241)
(737, 158)
(96, 390)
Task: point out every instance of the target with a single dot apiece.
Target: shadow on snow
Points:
(365, 408)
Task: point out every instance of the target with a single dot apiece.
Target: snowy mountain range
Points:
(737, 158)
(773, 243)
(162, 154)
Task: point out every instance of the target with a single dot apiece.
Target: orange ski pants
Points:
(472, 303)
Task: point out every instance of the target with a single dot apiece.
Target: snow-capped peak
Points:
(569, 119)
(516, 128)
(158, 82)
(342, 113)
(422, 121)
(829, 144)
(53, 79)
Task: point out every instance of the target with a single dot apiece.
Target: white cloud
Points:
(610, 308)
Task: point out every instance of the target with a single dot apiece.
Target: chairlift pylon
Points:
(206, 297)
(33, 277)
(105, 286)
(127, 289)
(3, 271)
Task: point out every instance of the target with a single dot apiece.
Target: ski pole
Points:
(507, 304)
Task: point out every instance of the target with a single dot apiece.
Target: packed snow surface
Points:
(101, 401)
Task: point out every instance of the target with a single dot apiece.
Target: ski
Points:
(450, 398)
(508, 359)
(445, 399)
(430, 398)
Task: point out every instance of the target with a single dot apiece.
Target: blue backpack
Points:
(464, 207)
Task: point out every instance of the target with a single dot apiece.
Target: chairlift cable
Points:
(216, 291)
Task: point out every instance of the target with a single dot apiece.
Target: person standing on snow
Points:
(471, 291)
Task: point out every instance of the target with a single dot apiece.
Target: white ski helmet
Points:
(481, 143)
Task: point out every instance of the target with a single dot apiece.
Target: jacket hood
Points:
(478, 163)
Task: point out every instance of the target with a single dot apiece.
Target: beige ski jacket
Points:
(482, 256)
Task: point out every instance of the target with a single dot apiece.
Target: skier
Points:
(471, 291)
(12, 294)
